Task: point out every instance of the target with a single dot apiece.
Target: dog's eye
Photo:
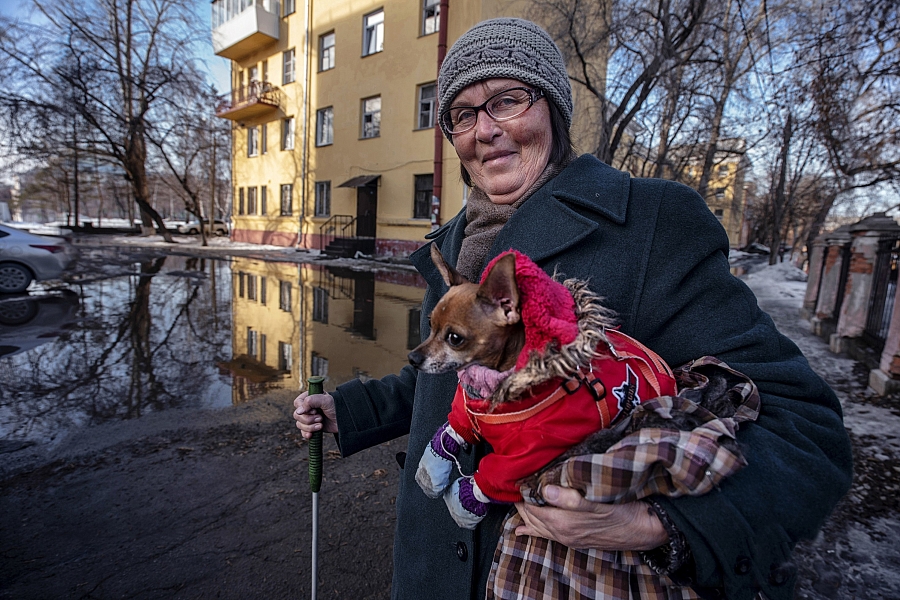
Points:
(454, 339)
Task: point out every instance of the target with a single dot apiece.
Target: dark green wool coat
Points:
(658, 256)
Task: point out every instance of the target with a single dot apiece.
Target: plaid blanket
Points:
(646, 462)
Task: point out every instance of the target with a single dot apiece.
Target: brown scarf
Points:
(485, 220)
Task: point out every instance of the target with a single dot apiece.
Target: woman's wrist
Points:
(672, 555)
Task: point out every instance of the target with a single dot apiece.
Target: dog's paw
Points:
(433, 474)
(467, 505)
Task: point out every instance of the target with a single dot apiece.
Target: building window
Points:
(287, 133)
(723, 171)
(263, 209)
(251, 287)
(288, 74)
(431, 16)
(427, 99)
(320, 305)
(371, 117)
(240, 201)
(289, 7)
(284, 295)
(264, 138)
(262, 291)
(262, 348)
(287, 200)
(422, 201)
(373, 33)
(252, 141)
(265, 70)
(252, 342)
(326, 51)
(323, 198)
(413, 333)
(240, 284)
(324, 126)
(720, 193)
(286, 357)
(251, 200)
(720, 214)
(319, 365)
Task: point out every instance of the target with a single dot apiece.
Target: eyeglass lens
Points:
(501, 107)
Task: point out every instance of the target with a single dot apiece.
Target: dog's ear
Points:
(500, 289)
(450, 275)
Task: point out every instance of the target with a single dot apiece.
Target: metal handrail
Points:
(328, 231)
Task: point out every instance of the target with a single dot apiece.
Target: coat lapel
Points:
(547, 224)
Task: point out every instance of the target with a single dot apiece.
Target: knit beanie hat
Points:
(506, 47)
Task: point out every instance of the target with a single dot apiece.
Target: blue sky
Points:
(218, 68)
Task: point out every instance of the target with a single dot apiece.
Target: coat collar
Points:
(548, 222)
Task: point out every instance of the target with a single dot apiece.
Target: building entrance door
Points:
(366, 209)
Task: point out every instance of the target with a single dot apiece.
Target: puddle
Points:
(135, 335)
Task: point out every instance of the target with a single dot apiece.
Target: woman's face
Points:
(504, 159)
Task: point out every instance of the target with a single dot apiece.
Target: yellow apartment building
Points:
(291, 321)
(333, 108)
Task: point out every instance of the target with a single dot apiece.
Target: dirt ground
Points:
(196, 505)
(216, 504)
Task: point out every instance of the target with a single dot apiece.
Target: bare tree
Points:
(110, 62)
(617, 51)
(729, 47)
(854, 66)
(187, 145)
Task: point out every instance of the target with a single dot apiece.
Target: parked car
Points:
(26, 257)
(193, 227)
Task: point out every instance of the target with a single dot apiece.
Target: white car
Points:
(193, 227)
(26, 257)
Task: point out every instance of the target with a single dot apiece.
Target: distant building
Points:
(727, 189)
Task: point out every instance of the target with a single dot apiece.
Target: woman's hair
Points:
(561, 142)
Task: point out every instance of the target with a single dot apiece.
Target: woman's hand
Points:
(578, 523)
(315, 413)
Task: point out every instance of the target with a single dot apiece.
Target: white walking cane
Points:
(315, 482)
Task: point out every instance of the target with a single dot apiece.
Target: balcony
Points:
(243, 26)
(249, 101)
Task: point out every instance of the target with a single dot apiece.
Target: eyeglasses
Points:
(504, 106)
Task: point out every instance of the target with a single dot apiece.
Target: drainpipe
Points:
(304, 111)
(438, 133)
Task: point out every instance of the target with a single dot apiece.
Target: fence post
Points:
(886, 378)
(814, 279)
(863, 253)
(832, 283)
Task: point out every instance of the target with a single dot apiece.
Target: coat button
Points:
(461, 551)
(781, 574)
(743, 565)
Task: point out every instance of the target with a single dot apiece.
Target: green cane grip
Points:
(315, 442)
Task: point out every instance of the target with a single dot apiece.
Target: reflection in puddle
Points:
(167, 332)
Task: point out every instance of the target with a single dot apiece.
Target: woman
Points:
(656, 254)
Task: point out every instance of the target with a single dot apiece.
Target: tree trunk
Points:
(778, 197)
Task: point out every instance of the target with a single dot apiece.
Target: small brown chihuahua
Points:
(473, 323)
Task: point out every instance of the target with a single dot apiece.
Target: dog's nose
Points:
(416, 358)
